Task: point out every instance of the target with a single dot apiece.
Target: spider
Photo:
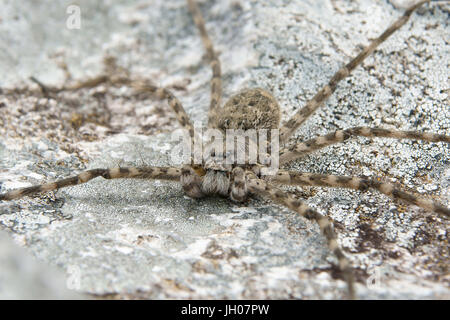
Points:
(239, 181)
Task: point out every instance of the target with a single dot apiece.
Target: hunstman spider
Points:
(259, 108)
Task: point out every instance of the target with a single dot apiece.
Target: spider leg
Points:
(139, 86)
(191, 180)
(312, 105)
(263, 188)
(362, 184)
(303, 148)
(162, 173)
(216, 83)
(174, 103)
(113, 75)
(49, 91)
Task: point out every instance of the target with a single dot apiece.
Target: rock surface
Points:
(22, 277)
(145, 239)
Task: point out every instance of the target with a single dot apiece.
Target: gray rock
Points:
(145, 239)
(23, 277)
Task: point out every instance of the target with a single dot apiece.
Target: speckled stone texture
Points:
(145, 239)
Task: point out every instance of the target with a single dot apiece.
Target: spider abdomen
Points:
(250, 109)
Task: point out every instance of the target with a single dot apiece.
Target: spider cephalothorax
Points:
(219, 175)
(256, 109)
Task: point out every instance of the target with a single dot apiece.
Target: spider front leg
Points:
(161, 173)
(111, 75)
(261, 187)
(191, 180)
(362, 184)
(303, 148)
